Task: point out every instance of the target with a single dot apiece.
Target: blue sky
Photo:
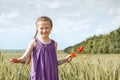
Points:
(74, 20)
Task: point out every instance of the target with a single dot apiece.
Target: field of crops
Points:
(93, 67)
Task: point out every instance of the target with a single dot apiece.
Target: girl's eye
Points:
(46, 28)
(41, 28)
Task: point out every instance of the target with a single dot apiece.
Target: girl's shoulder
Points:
(55, 43)
(33, 42)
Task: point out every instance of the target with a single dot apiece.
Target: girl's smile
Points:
(44, 28)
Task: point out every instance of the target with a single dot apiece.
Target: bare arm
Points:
(64, 60)
(26, 56)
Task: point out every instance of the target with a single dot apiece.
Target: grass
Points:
(94, 67)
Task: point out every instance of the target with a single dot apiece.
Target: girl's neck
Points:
(45, 40)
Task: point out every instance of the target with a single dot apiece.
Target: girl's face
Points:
(44, 28)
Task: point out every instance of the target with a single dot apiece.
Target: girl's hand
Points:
(14, 60)
(68, 58)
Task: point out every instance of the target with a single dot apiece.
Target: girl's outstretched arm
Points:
(66, 59)
(26, 56)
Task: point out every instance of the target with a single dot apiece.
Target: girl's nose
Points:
(44, 30)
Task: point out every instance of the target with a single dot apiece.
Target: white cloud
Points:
(72, 14)
(54, 5)
(13, 15)
(6, 18)
(111, 11)
(114, 11)
(99, 31)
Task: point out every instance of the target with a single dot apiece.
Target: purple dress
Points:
(44, 62)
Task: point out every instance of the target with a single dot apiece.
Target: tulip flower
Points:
(80, 49)
(84, 56)
(73, 54)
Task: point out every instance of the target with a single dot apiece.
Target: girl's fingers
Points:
(69, 58)
(13, 60)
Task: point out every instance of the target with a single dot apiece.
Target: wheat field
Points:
(92, 67)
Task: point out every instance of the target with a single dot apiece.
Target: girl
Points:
(43, 52)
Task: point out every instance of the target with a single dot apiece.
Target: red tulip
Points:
(73, 54)
(80, 49)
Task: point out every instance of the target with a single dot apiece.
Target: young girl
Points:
(43, 52)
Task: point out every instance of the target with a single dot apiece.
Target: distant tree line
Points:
(108, 43)
(13, 51)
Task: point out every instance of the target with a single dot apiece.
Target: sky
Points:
(73, 20)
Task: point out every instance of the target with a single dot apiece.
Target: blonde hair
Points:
(43, 18)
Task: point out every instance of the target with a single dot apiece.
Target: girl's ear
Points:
(36, 27)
